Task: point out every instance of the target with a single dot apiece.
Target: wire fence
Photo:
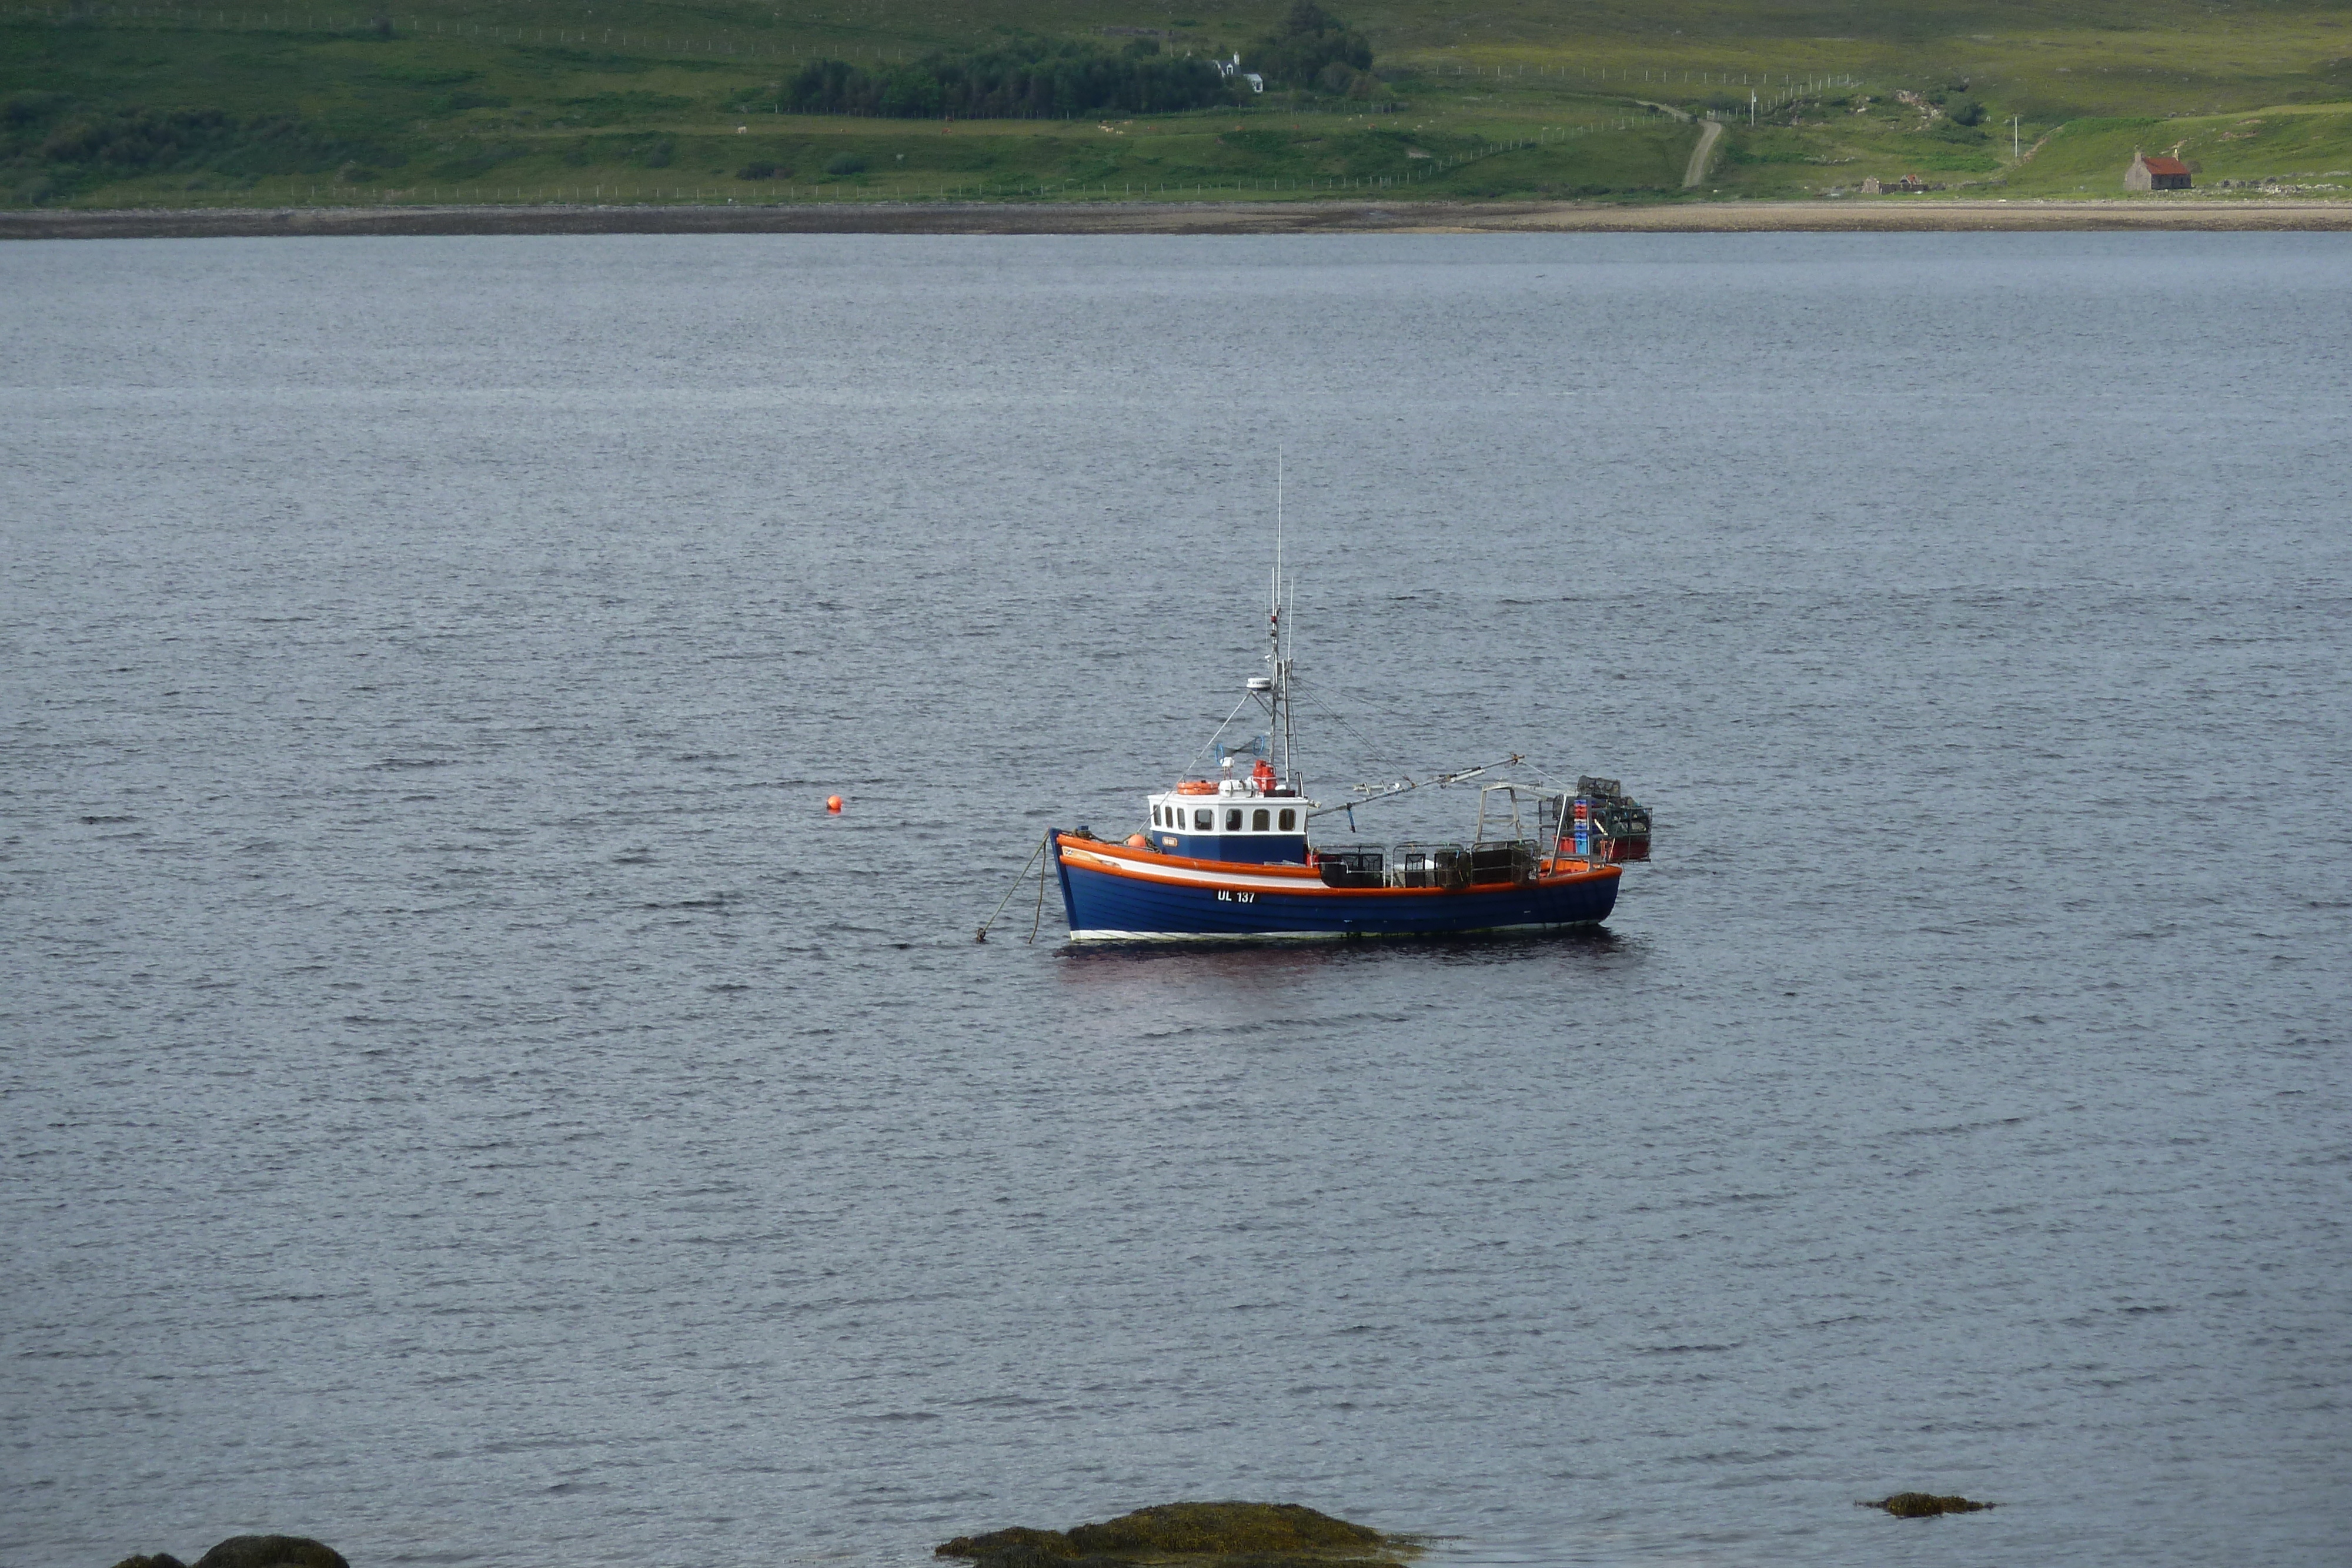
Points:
(293, 20)
(756, 193)
(1784, 85)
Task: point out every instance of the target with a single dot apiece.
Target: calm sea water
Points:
(464, 1100)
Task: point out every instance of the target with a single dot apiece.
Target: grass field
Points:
(136, 106)
(2300, 147)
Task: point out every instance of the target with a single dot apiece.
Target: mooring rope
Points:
(1039, 919)
(1009, 892)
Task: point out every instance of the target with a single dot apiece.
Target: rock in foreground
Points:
(253, 1551)
(1193, 1534)
(272, 1552)
(1924, 1505)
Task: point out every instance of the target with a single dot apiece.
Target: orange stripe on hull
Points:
(1150, 866)
(1153, 857)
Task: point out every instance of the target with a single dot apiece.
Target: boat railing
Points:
(1430, 865)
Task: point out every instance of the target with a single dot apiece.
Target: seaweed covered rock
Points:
(1194, 1534)
(161, 1560)
(1926, 1505)
(1017, 1547)
(272, 1552)
(1194, 1529)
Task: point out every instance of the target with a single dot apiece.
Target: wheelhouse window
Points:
(1289, 821)
(1258, 821)
(1155, 816)
(1203, 819)
(1233, 819)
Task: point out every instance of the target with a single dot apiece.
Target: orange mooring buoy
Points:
(832, 804)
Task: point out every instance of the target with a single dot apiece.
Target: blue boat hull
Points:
(1142, 904)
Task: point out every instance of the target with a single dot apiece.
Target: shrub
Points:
(842, 163)
(32, 108)
(138, 138)
(73, 147)
(760, 170)
(476, 163)
(1309, 40)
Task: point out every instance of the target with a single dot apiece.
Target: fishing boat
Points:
(1233, 855)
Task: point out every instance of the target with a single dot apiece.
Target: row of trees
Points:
(1036, 80)
(1039, 78)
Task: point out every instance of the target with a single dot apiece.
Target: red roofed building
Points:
(2147, 174)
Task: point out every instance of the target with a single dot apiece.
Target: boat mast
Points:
(1276, 656)
(1289, 731)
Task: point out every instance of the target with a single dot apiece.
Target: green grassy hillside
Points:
(2303, 147)
(133, 105)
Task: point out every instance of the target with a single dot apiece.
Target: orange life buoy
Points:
(1197, 787)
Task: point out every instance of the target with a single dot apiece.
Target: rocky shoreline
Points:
(1165, 1535)
(1863, 215)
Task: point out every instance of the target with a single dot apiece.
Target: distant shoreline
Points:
(1859, 216)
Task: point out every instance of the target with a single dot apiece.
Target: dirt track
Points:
(1863, 215)
(1696, 170)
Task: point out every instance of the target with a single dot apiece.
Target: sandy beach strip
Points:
(1859, 216)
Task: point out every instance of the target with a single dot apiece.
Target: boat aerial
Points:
(1233, 856)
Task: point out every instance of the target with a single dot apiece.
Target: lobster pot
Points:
(1352, 868)
(1433, 866)
(1621, 831)
(1511, 863)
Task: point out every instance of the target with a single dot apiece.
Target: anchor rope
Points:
(1009, 892)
